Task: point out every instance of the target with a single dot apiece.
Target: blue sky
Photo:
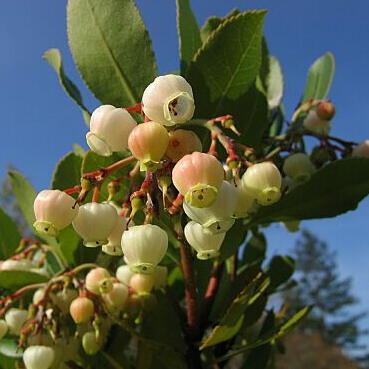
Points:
(39, 123)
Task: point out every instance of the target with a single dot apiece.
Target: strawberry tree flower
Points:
(263, 181)
(38, 357)
(54, 210)
(95, 222)
(216, 218)
(144, 246)
(206, 244)
(168, 100)
(117, 297)
(98, 281)
(361, 150)
(298, 167)
(22, 264)
(142, 283)
(292, 226)
(81, 310)
(109, 130)
(198, 177)
(245, 201)
(113, 247)
(182, 142)
(124, 274)
(148, 143)
(15, 318)
(91, 344)
(160, 276)
(318, 119)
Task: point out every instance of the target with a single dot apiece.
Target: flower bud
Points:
(245, 202)
(124, 274)
(298, 167)
(361, 150)
(91, 345)
(114, 247)
(198, 177)
(206, 244)
(168, 100)
(38, 357)
(133, 305)
(160, 276)
(98, 281)
(263, 181)
(182, 142)
(216, 218)
(23, 264)
(325, 110)
(117, 297)
(142, 283)
(144, 246)
(95, 222)
(315, 124)
(109, 130)
(38, 296)
(81, 309)
(54, 210)
(3, 328)
(148, 143)
(15, 319)
(292, 225)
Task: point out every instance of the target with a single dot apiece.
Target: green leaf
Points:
(280, 270)
(111, 48)
(188, 33)
(213, 22)
(275, 83)
(19, 278)
(67, 173)
(227, 64)
(231, 323)
(255, 249)
(71, 246)
(54, 58)
(7, 362)
(233, 240)
(9, 236)
(24, 194)
(9, 348)
(320, 77)
(332, 190)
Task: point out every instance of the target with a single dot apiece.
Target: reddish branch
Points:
(104, 172)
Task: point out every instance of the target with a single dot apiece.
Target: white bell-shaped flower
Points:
(113, 247)
(206, 244)
(144, 246)
(124, 274)
(109, 130)
(3, 328)
(168, 100)
(361, 150)
(142, 283)
(316, 124)
(15, 318)
(54, 210)
(263, 181)
(22, 264)
(245, 201)
(216, 218)
(299, 167)
(38, 357)
(95, 222)
(117, 297)
(91, 344)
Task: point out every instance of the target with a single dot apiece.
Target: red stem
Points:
(73, 190)
(135, 109)
(103, 172)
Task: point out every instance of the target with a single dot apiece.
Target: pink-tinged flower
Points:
(117, 297)
(98, 280)
(198, 177)
(315, 124)
(325, 110)
(168, 100)
(110, 128)
(81, 309)
(148, 143)
(361, 150)
(182, 142)
(54, 210)
(263, 181)
(142, 283)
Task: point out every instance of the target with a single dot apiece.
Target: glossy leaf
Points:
(232, 321)
(188, 33)
(111, 48)
(227, 64)
(320, 77)
(233, 240)
(255, 249)
(54, 58)
(280, 270)
(19, 278)
(275, 83)
(9, 236)
(332, 190)
(24, 194)
(67, 173)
